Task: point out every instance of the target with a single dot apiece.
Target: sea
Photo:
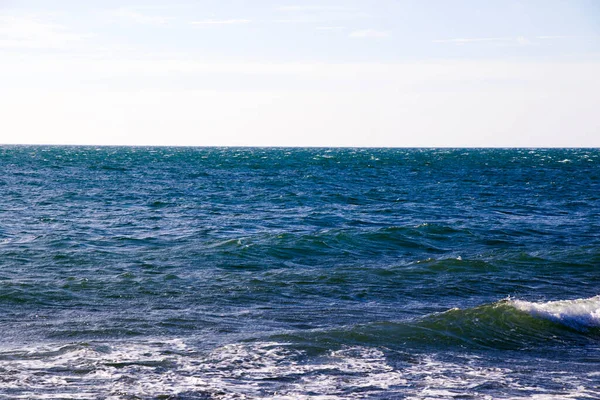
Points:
(299, 273)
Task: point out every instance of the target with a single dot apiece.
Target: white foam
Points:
(577, 314)
(168, 368)
(264, 370)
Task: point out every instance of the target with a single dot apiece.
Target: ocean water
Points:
(251, 273)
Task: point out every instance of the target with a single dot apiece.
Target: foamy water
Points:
(266, 370)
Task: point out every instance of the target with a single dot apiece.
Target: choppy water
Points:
(212, 273)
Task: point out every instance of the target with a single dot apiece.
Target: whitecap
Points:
(578, 314)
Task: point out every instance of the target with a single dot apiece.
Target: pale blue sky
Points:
(352, 73)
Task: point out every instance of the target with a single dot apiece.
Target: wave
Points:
(579, 314)
(503, 325)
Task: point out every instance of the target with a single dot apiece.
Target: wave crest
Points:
(579, 314)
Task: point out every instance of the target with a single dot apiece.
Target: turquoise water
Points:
(230, 273)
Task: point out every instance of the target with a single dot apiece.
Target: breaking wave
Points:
(503, 325)
(579, 314)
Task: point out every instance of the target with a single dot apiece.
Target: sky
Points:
(373, 73)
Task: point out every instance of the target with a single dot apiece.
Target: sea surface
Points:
(258, 273)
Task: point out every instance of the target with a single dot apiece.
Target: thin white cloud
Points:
(369, 33)
(310, 20)
(330, 28)
(499, 41)
(307, 8)
(140, 18)
(222, 22)
(556, 37)
(319, 14)
(473, 40)
(32, 33)
(523, 41)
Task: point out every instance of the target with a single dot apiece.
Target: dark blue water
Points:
(200, 273)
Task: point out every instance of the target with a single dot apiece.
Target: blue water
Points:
(232, 273)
